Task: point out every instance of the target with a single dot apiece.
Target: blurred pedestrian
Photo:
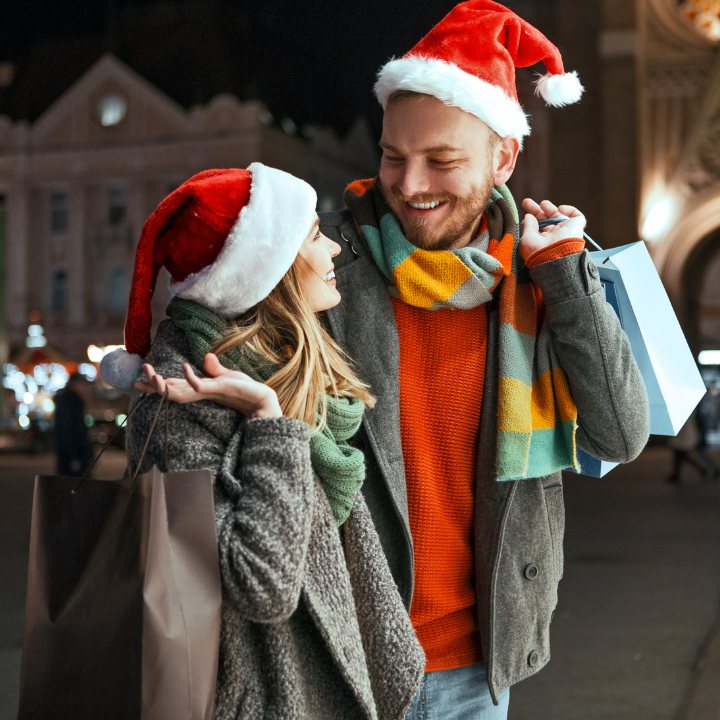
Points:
(73, 448)
(690, 448)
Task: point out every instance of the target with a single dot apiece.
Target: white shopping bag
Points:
(672, 379)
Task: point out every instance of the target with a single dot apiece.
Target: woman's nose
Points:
(334, 249)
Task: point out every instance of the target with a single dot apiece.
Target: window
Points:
(118, 206)
(59, 292)
(118, 290)
(59, 212)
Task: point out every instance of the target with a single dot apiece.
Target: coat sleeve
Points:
(263, 487)
(605, 383)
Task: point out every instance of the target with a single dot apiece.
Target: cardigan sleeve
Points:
(264, 495)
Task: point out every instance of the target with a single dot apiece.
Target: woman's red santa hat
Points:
(226, 237)
(468, 60)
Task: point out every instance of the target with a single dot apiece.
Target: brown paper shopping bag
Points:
(122, 615)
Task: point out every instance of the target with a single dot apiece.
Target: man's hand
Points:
(226, 387)
(533, 239)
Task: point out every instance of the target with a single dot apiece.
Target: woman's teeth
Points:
(424, 206)
(330, 276)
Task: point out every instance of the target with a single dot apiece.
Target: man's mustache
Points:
(419, 198)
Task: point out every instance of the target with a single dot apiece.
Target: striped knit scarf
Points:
(340, 467)
(536, 414)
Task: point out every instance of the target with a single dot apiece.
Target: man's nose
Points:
(415, 180)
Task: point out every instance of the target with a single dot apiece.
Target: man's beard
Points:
(465, 213)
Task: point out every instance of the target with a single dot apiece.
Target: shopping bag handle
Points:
(556, 221)
(165, 399)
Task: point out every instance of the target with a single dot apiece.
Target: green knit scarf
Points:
(340, 467)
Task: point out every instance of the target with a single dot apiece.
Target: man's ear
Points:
(506, 154)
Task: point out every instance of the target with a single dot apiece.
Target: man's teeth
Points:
(424, 206)
(330, 276)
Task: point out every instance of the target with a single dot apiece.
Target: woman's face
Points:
(315, 269)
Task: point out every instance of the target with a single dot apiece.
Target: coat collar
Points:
(364, 323)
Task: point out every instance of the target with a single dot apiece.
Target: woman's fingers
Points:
(153, 379)
(212, 365)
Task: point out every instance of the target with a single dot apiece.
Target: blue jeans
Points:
(460, 694)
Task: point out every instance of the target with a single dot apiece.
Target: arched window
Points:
(118, 290)
(59, 292)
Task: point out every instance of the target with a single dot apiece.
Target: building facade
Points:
(78, 184)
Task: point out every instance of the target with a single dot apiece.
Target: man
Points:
(490, 356)
(72, 442)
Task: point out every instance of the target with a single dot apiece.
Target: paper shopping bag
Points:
(672, 379)
(122, 615)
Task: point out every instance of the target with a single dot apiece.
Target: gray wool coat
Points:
(312, 624)
(519, 525)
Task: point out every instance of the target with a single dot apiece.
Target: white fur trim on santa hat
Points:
(454, 87)
(120, 369)
(262, 245)
(559, 90)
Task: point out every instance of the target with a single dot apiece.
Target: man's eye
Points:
(392, 158)
(441, 162)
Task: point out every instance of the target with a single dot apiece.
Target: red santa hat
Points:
(468, 60)
(226, 237)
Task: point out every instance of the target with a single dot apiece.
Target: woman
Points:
(312, 624)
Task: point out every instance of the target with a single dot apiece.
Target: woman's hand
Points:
(533, 240)
(226, 387)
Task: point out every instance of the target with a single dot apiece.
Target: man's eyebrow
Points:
(427, 151)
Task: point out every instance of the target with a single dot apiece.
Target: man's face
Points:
(442, 158)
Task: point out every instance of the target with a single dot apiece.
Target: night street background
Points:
(216, 83)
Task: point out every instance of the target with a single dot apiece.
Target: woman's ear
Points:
(505, 157)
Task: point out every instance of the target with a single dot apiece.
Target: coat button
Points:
(592, 270)
(533, 659)
(531, 571)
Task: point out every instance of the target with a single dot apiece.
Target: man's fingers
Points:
(549, 208)
(531, 224)
(530, 206)
(570, 211)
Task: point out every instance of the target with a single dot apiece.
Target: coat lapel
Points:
(364, 324)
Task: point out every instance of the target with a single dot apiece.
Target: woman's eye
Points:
(317, 235)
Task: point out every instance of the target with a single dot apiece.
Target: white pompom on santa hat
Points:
(468, 60)
(226, 237)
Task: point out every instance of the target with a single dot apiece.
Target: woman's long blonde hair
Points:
(284, 330)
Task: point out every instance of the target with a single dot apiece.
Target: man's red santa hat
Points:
(468, 60)
(226, 237)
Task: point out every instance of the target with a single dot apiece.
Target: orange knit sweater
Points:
(442, 372)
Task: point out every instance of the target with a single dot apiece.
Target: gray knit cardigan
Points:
(312, 623)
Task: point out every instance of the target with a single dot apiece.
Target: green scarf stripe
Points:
(340, 467)
(531, 383)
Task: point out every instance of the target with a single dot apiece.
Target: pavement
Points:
(636, 635)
